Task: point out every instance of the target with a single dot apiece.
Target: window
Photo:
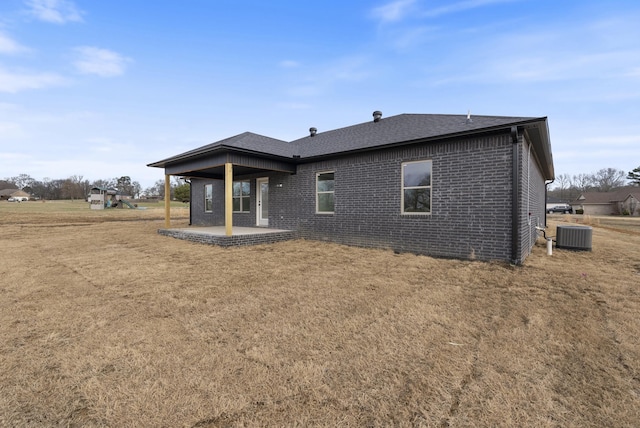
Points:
(241, 196)
(324, 192)
(208, 198)
(416, 187)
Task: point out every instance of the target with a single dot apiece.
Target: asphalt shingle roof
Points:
(368, 135)
(13, 192)
(247, 141)
(396, 129)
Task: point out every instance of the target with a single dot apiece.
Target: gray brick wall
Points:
(471, 200)
(198, 216)
(282, 201)
(532, 199)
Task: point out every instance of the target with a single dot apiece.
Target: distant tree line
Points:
(565, 187)
(180, 189)
(76, 187)
(73, 187)
(569, 188)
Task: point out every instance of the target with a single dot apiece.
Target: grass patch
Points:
(75, 211)
(106, 323)
(623, 224)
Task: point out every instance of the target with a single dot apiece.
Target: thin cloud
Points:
(399, 9)
(392, 12)
(407, 38)
(13, 82)
(288, 63)
(350, 69)
(328, 77)
(525, 56)
(101, 145)
(293, 106)
(54, 11)
(10, 46)
(101, 62)
(405, 20)
(615, 140)
(461, 7)
(634, 72)
(11, 130)
(13, 157)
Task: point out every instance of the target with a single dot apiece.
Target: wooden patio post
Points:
(167, 201)
(228, 198)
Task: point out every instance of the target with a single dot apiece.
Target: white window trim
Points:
(205, 198)
(241, 198)
(402, 189)
(332, 191)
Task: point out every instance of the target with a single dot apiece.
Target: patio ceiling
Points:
(217, 172)
(212, 165)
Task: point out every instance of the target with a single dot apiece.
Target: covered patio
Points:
(228, 160)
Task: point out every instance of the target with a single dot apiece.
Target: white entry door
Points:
(262, 191)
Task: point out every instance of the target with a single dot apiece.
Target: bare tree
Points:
(136, 189)
(564, 184)
(608, 179)
(105, 184)
(124, 185)
(582, 182)
(156, 190)
(158, 187)
(75, 187)
(22, 181)
(54, 189)
(39, 189)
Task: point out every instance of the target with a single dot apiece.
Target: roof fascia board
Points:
(222, 149)
(218, 160)
(539, 137)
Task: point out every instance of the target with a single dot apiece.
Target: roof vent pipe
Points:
(469, 120)
(377, 115)
(312, 132)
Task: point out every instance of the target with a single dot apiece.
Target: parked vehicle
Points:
(564, 209)
(18, 199)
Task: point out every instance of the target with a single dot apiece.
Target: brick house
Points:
(620, 201)
(441, 185)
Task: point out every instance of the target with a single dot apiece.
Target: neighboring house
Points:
(441, 185)
(6, 193)
(13, 193)
(620, 201)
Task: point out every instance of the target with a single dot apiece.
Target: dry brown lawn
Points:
(105, 323)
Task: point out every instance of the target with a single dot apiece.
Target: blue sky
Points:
(99, 89)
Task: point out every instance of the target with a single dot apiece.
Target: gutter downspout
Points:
(546, 190)
(515, 189)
